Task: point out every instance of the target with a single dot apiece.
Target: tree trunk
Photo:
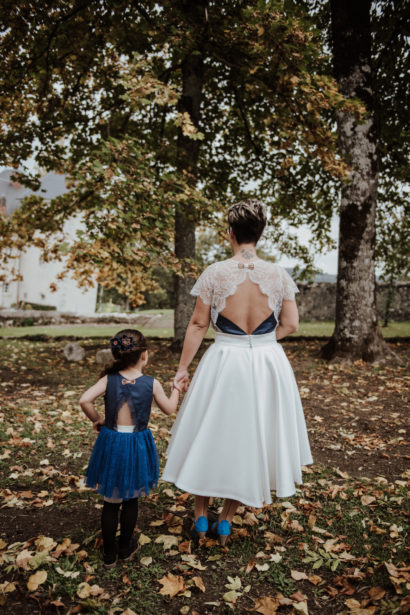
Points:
(356, 334)
(188, 151)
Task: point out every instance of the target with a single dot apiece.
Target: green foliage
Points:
(321, 558)
(108, 117)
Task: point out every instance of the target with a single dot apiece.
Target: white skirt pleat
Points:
(240, 431)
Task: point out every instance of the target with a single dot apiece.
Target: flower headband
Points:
(125, 342)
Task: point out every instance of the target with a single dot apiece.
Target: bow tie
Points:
(246, 266)
(124, 381)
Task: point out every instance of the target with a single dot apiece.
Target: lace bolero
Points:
(221, 279)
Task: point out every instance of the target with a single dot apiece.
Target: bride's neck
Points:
(245, 251)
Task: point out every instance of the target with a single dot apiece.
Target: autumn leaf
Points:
(171, 585)
(83, 590)
(231, 596)
(167, 541)
(146, 561)
(36, 579)
(266, 605)
(45, 543)
(143, 540)
(367, 499)
(7, 587)
(376, 593)
(23, 559)
(301, 607)
(356, 609)
(298, 576)
(199, 583)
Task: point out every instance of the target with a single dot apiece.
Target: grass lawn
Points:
(337, 547)
(306, 329)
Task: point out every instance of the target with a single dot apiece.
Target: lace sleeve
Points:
(289, 288)
(204, 286)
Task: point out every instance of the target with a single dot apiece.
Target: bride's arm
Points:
(288, 319)
(195, 333)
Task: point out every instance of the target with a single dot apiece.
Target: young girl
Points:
(124, 461)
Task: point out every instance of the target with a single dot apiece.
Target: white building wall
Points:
(38, 275)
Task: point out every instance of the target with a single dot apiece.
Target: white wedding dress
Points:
(240, 432)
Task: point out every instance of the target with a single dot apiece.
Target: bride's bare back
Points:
(248, 307)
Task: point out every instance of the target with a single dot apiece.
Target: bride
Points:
(240, 432)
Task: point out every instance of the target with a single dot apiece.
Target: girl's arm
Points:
(195, 333)
(288, 319)
(167, 405)
(87, 401)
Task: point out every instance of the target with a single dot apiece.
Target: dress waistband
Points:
(246, 341)
(124, 428)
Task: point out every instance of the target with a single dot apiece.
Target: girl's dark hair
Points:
(247, 220)
(124, 357)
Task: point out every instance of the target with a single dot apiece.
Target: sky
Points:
(327, 262)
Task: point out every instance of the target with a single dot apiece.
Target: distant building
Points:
(37, 274)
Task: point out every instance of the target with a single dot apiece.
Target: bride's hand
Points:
(181, 379)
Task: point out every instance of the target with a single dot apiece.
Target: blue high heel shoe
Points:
(200, 527)
(222, 530)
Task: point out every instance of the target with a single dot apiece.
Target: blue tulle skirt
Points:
(123, 465)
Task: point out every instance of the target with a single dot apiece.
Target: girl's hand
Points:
(181, 379)
(98, 424)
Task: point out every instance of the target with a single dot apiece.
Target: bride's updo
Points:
(247, 220)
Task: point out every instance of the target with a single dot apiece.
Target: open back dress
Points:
(240, 432)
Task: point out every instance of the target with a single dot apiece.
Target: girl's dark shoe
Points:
(129, 552)
(110, 559)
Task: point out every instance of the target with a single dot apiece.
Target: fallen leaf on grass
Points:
(143, 540)
(377, 593)
(298, 596)
(191, 560)
(69, 574)
(146, 561)
(315, 579)
(23, 559)
(250, 566)
(185, 547)
(355, 608)
(128, 612)
(275, 557)
(301, 607)
(199, 583)
(367, 499)
(36, 579)
(231, 596)
(7, 587)
(266, 605)
(84, 590)
(234, 583)
(45, 543)
(250, 519)
(262, 567)
(171, 585)
(167, 541)
(298, 576)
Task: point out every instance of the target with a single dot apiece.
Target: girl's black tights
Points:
(109, 524)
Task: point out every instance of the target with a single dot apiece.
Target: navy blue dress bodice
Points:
(137, 393)
(227, 326)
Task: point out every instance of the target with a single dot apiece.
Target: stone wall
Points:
(317, 301)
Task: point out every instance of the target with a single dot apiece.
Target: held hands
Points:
(181, 380)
